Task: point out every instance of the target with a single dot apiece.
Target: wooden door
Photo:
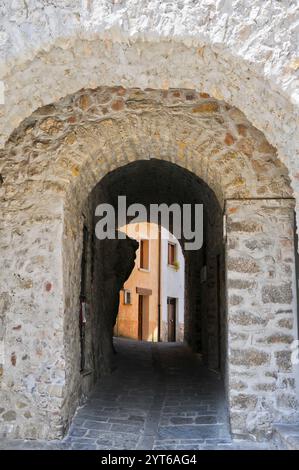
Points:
(140, 316)
(171, 313)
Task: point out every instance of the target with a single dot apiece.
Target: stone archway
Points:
(51, 163)
(204, 46)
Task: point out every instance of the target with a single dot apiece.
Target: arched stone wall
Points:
(50, 164)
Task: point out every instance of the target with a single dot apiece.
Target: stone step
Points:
(287, 436)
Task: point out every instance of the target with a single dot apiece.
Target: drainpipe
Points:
(159, 284)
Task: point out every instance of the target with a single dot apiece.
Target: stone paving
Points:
(159, 397)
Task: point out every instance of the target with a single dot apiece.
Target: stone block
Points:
(77, 432)
(245, 318)
(266, 387)
(189, 432)
(206, 107)
(90, 424)
(238, 421)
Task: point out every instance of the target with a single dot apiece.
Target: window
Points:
(171, 254)
(127, 297)
(144, 254)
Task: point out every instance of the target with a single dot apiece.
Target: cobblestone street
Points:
(159, 397)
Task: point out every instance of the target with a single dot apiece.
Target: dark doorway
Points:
(171, 314)
(143, 315)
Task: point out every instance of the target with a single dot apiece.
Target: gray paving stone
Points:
(191, 441)
(93, 416)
